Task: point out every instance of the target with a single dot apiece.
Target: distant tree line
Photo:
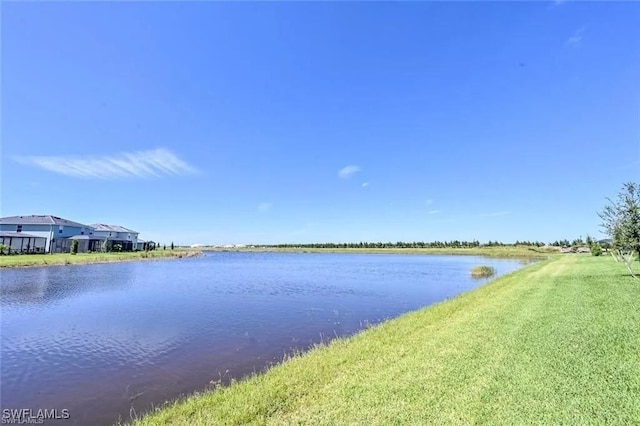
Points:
(566, 243)
(431, 244)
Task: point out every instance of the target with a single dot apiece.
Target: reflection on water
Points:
(46, 284)
(109, 340)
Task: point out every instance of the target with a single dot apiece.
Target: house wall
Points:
(122, 236)
(49, 231)
(43, 231)
(133, 237)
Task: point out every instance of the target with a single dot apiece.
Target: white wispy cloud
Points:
(365, 184)
(139, 164)
(264, 207)
(496, 214)
(576, 39)
(433, 211)
(348, 171)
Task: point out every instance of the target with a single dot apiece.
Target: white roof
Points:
(111, 228)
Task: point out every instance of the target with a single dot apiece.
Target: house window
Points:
(19, 228)
(59, 231)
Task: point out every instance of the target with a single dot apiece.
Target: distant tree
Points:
(621, 221)
(164, 247)
(74, 247)
(605, 245)
(172, 245)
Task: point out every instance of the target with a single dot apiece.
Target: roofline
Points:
(18, 235)
(96, 225)
(24, 220)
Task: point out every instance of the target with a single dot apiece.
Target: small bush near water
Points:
(482, 271)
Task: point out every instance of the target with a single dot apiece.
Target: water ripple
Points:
(134, 334)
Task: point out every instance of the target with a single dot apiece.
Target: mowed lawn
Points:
(555, 343)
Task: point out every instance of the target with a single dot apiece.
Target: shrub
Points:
(482, 271)
(74, 247)
(596, 250)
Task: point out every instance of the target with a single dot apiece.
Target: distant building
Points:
(117, 235)
(53, 234)
(55, 231)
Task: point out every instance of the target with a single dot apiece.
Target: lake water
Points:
(107, 341)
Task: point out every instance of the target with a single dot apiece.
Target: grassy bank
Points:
(523, 252)
(24, 260)
(555, 343)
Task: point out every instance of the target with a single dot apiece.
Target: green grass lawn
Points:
(22, 260)
(555, 343)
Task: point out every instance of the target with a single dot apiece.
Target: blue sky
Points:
(301, 122)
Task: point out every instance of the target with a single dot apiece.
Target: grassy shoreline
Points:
(557, 342)
(61, 259)
(526, 252)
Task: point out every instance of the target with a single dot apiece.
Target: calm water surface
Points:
(111, 340)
